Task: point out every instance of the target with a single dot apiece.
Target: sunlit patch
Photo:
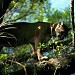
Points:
(39, 27)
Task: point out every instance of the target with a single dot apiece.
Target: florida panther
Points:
(16, 34)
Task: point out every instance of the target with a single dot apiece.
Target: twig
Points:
(19, 64)
(1, 17)
(26, 13)
(55, 70)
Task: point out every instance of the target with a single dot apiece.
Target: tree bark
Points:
(72, 21)
(3, 7)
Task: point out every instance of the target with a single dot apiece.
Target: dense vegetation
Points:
(18, 60)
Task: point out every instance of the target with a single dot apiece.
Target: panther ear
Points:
(62, 23)
(52, 25)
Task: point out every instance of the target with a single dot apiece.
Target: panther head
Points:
(59, 30)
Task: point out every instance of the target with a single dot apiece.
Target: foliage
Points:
(22, 54)
(42, 46)
(14, 61)
(32, 11)
(26, 10)
(3, 56)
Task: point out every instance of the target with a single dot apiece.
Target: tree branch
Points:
(19, 64)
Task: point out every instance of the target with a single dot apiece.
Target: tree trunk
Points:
(72, 20)
(3, 7)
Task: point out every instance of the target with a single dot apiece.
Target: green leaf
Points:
(2, 56)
